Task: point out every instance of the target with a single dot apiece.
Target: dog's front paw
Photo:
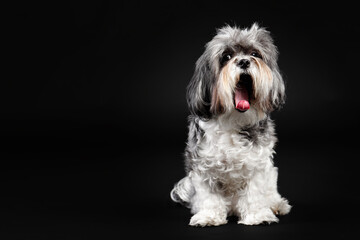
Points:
(260, 216)
(282, 207)
(208, 218)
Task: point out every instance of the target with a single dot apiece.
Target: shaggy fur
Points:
(229, 153)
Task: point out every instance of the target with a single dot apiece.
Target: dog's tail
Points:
(183, 191)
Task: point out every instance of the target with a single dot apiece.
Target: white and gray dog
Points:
(230, 148)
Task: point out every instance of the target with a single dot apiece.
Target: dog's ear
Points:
(270, 56)
(200, 88)
(278, 92)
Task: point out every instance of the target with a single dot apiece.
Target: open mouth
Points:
(243, 93)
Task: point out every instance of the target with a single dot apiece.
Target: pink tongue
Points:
(242, 99)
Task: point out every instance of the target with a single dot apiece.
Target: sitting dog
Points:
(230, 148)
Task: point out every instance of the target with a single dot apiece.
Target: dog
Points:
(229, 153)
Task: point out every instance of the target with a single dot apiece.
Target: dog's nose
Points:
(244, 63)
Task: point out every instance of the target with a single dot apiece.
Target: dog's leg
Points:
(260, 200)
(278, 204)
(209, 208)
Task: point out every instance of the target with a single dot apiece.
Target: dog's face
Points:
(238, 71)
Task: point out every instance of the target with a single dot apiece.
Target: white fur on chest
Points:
(227, 158)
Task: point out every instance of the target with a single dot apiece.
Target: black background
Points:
(94, 117)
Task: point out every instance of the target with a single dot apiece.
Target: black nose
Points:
(244, 63)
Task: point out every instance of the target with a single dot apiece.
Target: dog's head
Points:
(238, 71)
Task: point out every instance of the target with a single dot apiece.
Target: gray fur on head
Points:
(200, 91)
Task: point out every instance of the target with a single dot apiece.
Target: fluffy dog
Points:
(230, 148)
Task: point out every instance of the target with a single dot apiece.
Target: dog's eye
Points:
(226, 57)
(256, 54)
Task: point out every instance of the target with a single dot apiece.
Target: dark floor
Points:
(77, 188)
